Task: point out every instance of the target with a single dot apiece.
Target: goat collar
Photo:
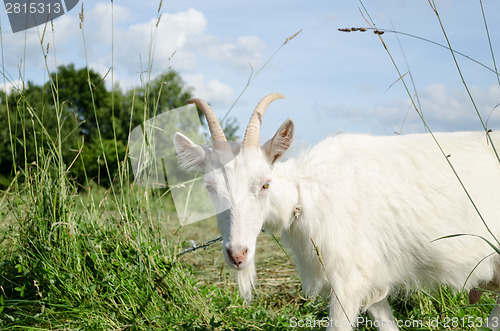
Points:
(297, 209)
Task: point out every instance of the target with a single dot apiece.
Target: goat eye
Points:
(265, 186)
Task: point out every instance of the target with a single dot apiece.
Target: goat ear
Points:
(280, 142)
(191, 156)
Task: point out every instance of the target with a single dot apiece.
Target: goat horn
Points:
(213, 124)
(252, 134)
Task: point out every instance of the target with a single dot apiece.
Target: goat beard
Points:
(246, 281)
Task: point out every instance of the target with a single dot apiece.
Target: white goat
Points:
(372, 206)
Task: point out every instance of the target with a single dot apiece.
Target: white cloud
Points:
(453, 109)
(9, 86)
(180, 41)
(176, 41)
(137, 44)
(443, 109)
(20, 49)
(237, 53)
(212, 90)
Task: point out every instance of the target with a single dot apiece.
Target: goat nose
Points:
(237, 257)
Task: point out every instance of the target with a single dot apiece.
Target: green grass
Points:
(87, 261)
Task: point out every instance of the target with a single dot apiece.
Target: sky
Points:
(333, 81)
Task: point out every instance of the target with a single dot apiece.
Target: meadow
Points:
(95, 260)
(109, 257)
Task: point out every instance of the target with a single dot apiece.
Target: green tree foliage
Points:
(74, 111)
(85, 92)
(165, 92)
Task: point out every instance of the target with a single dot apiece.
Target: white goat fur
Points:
(373, 205)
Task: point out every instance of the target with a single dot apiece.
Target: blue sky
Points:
(333, 81)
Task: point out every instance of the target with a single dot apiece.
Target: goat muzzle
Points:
(237, 257)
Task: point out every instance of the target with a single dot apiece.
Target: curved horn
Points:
(213, 124)
(252, 134)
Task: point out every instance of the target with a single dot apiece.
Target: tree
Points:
(32, 126)
(85, 92)
(94, 124)
(165, 92)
